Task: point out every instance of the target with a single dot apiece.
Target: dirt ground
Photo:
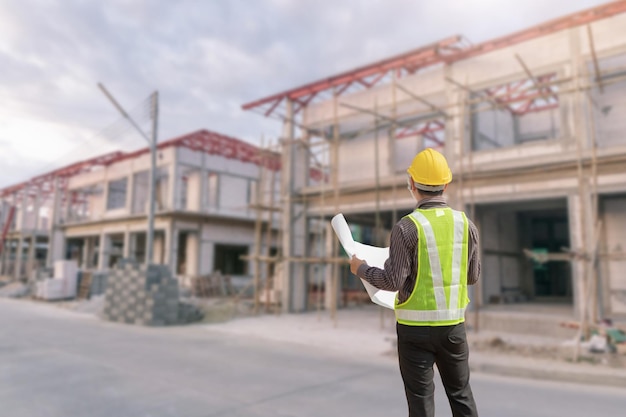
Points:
(562, 352)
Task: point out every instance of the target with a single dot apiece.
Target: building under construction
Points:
(95, 211)
(533, 125)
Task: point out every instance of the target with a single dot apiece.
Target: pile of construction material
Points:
(14, 290)
(211, 285)
(141, 295)
(146, 296)
(98, 283)
(606, 337)
(92, 283)
(189, 313)
(63, 283)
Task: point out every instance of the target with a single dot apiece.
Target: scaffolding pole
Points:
(467, 175)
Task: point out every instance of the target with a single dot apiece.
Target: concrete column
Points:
(91, 264)
(207, 251)
(577, 243)
(104, 241)
(171, 247)
(172, 199)
(30, 262)
(67, 209)
(194, 196)
(127, 246)
(20, 211)
(8, 244)
(130, 190)
(203, 184)
(294, 220)
(3, 257)
(54, 219)
(18, 257)
(4, 210)
(192, 260)
(157, 253)
(36, 227)
(85, 255)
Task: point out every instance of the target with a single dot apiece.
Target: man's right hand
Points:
(355, 263)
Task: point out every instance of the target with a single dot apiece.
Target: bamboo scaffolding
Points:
(258, 229)
(418, 98)
(480, 98)
(322, 243)
(304, 259)
(596, 66)
(269, 279)
(476, 101)
(335, 179)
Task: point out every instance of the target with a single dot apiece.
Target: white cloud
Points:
(205, 58)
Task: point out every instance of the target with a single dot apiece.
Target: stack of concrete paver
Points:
(189, 313)
(141, 295)
(98, 282)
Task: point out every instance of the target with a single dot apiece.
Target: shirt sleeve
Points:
(473, 267)
(398, 266)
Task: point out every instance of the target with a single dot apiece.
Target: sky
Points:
(205, 58)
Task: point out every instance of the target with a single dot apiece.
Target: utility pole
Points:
(152, 191)
(152, 142)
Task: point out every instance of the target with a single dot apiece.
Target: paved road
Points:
(55, 363)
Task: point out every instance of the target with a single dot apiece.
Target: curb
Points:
(615, 378)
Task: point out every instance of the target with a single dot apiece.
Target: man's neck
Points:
(431, 201)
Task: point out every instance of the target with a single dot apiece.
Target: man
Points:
(432, 258)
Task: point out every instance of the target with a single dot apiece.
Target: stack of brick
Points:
(141, 295)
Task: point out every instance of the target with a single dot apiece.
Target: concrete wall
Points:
(614, 279)
(215, 184)
(223, 233)
(609, 107)
(185, 186)
(357, 158)
(95, 203)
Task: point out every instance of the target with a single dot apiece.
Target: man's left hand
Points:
(355, 263)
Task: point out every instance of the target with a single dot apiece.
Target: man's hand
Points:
(355, 263)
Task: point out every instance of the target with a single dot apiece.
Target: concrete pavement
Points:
(56, 363)
(370, 332)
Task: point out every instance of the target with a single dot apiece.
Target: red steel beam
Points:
(203, 140)
(565, 22)
(426, 54)
(42, 180)
(431, 54)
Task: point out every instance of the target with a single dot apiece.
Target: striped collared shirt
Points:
(401, 267)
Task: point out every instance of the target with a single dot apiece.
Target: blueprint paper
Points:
(372, 255)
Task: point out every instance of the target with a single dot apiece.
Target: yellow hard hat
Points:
(430, 168)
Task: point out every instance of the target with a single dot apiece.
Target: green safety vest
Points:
(439, 297)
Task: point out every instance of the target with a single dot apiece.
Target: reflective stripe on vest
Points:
(430, 315)
(447, 310)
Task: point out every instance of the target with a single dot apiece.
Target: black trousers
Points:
(421, 347)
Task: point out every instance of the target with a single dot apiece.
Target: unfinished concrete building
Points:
(94, 211)
(534, 127)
